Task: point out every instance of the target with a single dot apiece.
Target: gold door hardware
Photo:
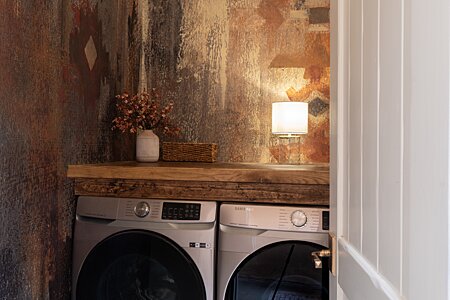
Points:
(329, 253)
(317, 257)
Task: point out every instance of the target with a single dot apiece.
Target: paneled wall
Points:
(393, 219)
(224, 62)
(61, 64)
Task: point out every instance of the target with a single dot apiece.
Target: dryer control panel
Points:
(270, 217)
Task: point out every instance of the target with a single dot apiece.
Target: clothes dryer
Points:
(143, 249)
(264, 252)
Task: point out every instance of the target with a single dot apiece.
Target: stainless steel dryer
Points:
(264, 252)
(143, 249)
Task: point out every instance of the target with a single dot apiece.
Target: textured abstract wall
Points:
(62, 62)
(224, 63)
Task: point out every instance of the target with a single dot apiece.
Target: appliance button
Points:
(141, 209)
(298, 218)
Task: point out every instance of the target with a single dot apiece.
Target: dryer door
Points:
(139, 265)
(280, 271)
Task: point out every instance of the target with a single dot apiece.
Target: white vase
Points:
(147, 146)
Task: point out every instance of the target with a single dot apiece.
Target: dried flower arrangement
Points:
(143, 112)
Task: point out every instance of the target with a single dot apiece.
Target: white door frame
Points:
(338, 122)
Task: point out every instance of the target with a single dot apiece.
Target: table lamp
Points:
(289, 120)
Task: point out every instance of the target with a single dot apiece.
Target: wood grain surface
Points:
(317, 195)
(220, 172)
(238, 182)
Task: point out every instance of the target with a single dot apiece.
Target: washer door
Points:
(139, 265)
(280, 271)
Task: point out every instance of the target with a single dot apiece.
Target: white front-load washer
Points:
(130, 249)
(264, 252)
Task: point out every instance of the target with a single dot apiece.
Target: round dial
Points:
(141, 209)
(298, 218)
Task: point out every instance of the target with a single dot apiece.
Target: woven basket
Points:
(197, 152)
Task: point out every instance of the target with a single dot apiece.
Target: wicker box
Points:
(197, 152)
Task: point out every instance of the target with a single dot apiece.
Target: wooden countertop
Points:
(215, 172)
(231, 182)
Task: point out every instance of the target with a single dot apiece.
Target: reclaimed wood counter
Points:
(236, 182)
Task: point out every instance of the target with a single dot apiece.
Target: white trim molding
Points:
(372, 284)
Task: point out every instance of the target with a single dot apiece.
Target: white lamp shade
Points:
(289, 118)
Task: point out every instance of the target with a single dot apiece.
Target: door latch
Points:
(330, 253)
(317, 257)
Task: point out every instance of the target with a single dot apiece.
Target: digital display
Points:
(325, 220)
(180, 211)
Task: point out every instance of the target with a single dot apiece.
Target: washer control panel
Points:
(147, 210)
(180, 211)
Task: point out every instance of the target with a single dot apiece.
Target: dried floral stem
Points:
(143, 112)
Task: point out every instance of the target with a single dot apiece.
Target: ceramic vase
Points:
(147, 146)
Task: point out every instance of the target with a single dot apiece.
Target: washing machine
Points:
(130, 249)
(265, 252)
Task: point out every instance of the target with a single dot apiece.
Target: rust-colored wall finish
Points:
(225, 62)
(62, 63)
(222, 62)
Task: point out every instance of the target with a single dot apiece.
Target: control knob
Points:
(141, 209)
(298, 218)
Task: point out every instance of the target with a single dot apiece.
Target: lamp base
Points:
(289, 150)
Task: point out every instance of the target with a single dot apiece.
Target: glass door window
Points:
(280, 271)
(139, 265)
